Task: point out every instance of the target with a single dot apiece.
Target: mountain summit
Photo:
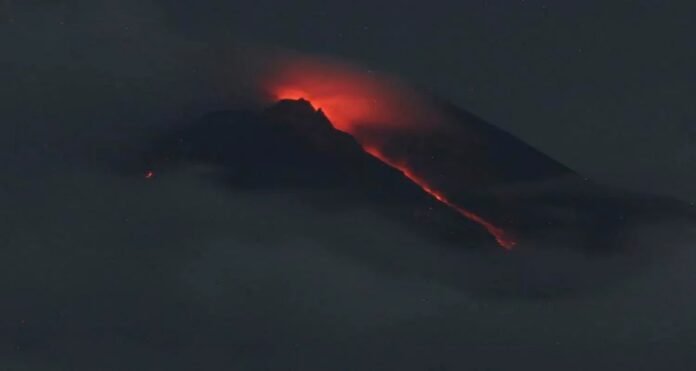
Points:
(486, 179)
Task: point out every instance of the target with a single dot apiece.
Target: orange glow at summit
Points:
(352, 98)
(357, 103)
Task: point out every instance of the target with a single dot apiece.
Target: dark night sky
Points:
(104, 271)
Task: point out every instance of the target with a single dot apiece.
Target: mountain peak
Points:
(291, 107)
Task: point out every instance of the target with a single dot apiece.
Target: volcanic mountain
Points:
(492, 214)
(468, 184)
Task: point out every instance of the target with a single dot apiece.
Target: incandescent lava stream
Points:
(499, 234)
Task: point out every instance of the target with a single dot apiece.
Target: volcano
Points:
(467, 183)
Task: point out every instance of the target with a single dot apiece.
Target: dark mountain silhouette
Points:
(291, 145)
(542, 204)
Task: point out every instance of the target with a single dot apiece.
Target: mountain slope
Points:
(518, 196)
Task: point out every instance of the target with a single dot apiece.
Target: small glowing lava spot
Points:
(149, 174)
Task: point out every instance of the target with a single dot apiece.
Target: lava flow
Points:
(355, 101)
(499, 235)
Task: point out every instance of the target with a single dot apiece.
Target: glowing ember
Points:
(149, 174)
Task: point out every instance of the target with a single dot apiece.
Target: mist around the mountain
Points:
(106, 271)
